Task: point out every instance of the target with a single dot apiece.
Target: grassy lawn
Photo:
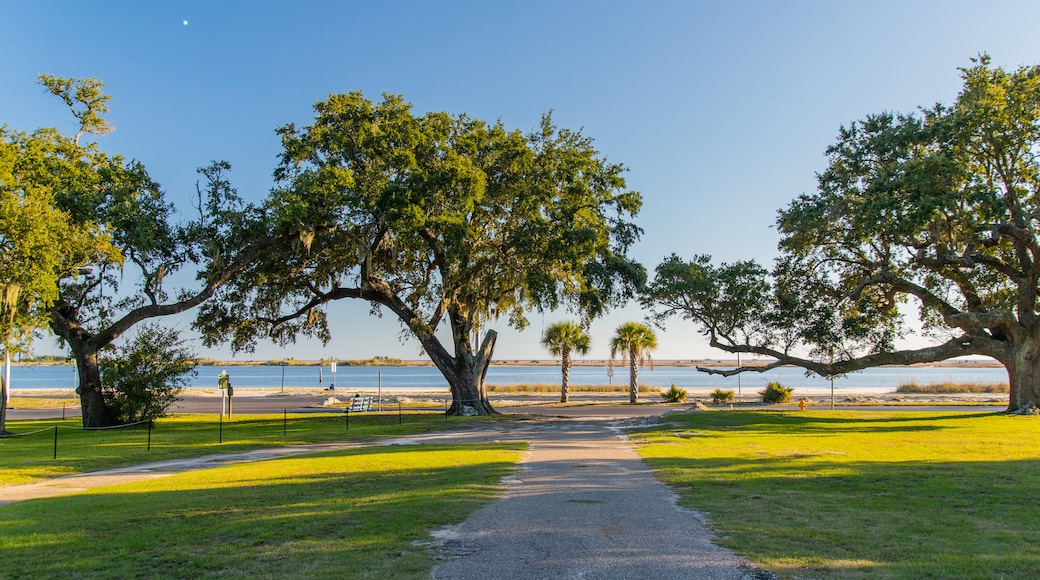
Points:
(346, 514)
(861, 494)
(71, 403)
(30, 458)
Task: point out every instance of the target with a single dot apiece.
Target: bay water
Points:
(881, 379)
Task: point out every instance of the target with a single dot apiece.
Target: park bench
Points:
(358, 404)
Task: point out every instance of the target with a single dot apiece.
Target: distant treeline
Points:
(374, 361)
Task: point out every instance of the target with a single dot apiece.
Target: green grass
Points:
(346, 514)
(953, 388)
(70, 402)
(861, 494)
(31, 458)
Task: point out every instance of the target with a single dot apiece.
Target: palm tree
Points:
(560, 339)
(633, 341)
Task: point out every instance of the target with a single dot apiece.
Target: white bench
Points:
(359, 404)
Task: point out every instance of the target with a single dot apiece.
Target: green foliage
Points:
(560, 338)
(104, 242)
(719, 396)
(674, 395)
(938, 209)
(776, 393)
(434, 216)
(144, 377)
(40, 242)
(440, 219)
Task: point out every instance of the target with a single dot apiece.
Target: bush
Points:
(776, 393)
(720, 396)
(142, 379)
(674, 395)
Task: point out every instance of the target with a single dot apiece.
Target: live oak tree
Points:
(447, 222)
(111, 291)
(560, 339)
(38, 245)
(938, 209)
(633, 342)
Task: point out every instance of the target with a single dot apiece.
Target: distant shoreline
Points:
(532, 362)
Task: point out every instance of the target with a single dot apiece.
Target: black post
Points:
(55, 441)
(445, 409)
(221, 440)
(284, 413)
(400, 417)
(149, 435)
(63, 411)
(347, 417)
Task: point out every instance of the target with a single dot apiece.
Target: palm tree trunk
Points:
(565, 365)
(633, 378)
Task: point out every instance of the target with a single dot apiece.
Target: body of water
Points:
(882, 379)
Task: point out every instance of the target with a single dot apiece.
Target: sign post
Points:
(224, 382)
(333, 378)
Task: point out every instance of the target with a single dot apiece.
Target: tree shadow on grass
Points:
(335, 514)
(824, 422)
(863, 519)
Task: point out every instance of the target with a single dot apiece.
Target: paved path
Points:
(583, 505)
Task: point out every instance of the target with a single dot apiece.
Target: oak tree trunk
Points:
(94, 411)
(466, 374)
(1024, 380)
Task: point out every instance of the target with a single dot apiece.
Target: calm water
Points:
(347, 378)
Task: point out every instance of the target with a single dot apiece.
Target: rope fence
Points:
(249, 428)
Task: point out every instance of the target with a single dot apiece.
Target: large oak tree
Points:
(39, 244)
(109, 292)
(440, 219)
(937, 209)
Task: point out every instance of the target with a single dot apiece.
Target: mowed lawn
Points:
(37, 455)
(858, 494)
(361, 513)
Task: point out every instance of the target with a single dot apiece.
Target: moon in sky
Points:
(185, 22)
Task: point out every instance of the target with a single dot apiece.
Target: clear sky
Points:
(720, 110)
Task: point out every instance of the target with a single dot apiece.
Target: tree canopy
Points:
(440, 219)
(936, 209)
(102, 241)
(39, 243)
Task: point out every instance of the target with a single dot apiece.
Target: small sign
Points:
(333, 367)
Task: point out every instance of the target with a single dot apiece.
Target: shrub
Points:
(720, 396)
(143, 377)
(776, 393)
(674, 395)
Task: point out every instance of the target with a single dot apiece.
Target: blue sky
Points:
(721, 111)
